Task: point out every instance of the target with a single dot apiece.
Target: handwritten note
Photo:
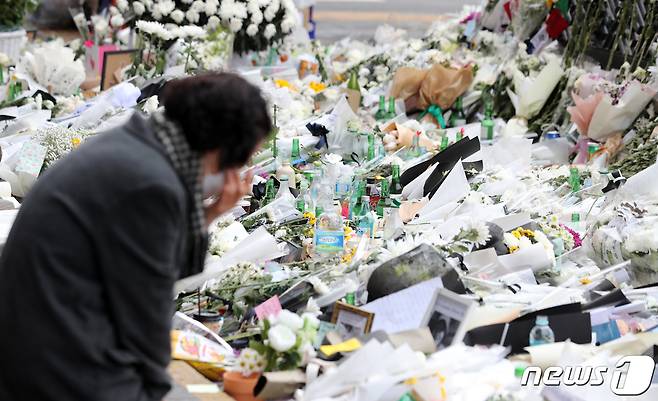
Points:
(268, 308)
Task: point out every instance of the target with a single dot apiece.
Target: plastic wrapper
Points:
(531, 93)
(420, 264)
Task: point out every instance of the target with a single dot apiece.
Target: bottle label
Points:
(328, 241)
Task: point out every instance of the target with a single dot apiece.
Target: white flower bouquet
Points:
(287, 343)
(53, 66)
(531, 92)
(627, 231)
(257, 24)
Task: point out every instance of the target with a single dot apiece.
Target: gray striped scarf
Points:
(187, 164)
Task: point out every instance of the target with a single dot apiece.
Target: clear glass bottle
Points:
(542, 332)
(303, 200)
(365, 221)
(284, 191)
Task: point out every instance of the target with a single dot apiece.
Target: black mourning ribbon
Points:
(319, 130)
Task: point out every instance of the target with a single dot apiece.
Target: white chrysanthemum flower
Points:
(151, 104)
(253, 6)
(240, 10)
(122, 5)
(213, 22)
(154, 28)
(320, 287)
(210, 9)
(100, 25)
(287, 24)
(252, 29)
(178, 16)
(524, 242)
(270, 31)
(117, 20)
(235, 25)
(192, 16)
(167, 6)
(156, 14)
(289, 319)
(269, 14)
(281, 338)
(138, 8)
(192, 31)
(114, 10)
(198, 6)
(257, 18)
(263, 3)
(510, 240)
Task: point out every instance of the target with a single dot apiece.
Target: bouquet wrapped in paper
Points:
(436, 88)
(603, 109)
(53, 66)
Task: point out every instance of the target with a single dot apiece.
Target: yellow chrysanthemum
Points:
(411, 381)
(75, 142)
(585, 281)
(282, 83)
(317, 86)
(513, 248)
(517, 234)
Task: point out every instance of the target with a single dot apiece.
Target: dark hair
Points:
(219, 111)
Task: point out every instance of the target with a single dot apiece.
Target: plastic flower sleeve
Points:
(610, 118)
(530, 94)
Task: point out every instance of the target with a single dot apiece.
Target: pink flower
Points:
(577, 241)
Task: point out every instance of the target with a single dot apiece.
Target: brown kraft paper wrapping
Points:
(439, 85)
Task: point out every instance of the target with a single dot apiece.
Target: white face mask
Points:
(212, 184)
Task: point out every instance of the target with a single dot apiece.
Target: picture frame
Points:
(351, 321)
(446, 317)
(114, 61)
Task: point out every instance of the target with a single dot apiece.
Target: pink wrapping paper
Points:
(583, 110)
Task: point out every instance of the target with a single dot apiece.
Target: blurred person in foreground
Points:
(87, 273)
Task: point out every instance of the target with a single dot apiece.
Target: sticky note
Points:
(347, 346)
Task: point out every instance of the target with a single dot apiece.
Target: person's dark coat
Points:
(87, 273)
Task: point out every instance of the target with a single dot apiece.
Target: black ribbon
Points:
(319, 130)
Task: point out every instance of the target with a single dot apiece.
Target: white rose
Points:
(178, 16)
(192, 16)
(151, 104)
(114, 10)
(235, 24)
(270, 31)
(213, 22)
(252, 29)
(138, 8)
(290, 320)
(281, 338)
(117, 20)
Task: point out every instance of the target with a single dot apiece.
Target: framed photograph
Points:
(351, 321)
(445, 317)
(113, 62)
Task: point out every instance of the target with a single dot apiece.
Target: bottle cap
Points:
(519, 370)
(575, 217)
(283, 178)
(552, 135)
(542, 320)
